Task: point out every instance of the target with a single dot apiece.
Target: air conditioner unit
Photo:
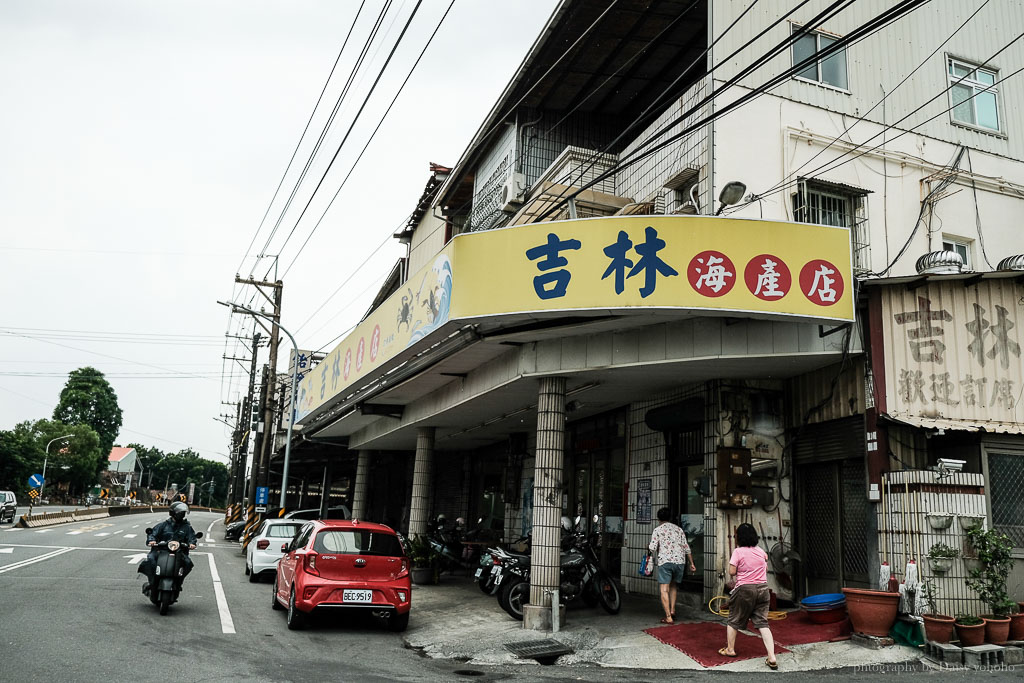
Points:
(513, 192)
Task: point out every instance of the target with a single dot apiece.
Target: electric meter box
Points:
(734, 489)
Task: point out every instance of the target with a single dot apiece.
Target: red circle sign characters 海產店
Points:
(360, 350)
(711, 273)
(348, 363)
(374, 343)
(821, 282)
(767, 277)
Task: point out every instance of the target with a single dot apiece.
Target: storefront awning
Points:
(958, 425)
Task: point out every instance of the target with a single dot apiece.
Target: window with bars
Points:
(1006, 481)
(826, 204)
(829, 71)
(974, 94)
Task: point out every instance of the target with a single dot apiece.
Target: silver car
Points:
(8, 506)
(264, 549)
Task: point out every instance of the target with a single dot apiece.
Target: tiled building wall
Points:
(645, 180)
(647, 460)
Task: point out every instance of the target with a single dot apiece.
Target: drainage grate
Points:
(538, 649)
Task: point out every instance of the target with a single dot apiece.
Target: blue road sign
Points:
(35, 481)
(262, 494)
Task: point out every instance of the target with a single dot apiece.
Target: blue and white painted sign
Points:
(35, 481)
(262, 494)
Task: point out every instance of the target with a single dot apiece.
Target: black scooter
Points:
(169, 572)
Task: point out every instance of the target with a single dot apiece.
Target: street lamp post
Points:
(167, 481)
(200, 504)
(47, 457)
(291, 402)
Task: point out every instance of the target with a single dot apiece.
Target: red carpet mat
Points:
(797, 629)
(701, 642)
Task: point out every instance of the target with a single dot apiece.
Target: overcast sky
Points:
(140, 146)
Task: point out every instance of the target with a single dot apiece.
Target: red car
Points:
(344, 564)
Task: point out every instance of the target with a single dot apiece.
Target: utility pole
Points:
(242, 440)
(265, 443)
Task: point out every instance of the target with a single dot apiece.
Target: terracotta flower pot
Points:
(970, 635)
(1017, 626)
(872, 612)
(997, 629)
(938, 628)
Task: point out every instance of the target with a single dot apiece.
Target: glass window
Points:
(962, 248)
(974, 95)
(829, 205)
(283, 530)
(357, 543)
(831, 70)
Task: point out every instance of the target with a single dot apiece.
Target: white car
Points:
(264, 549)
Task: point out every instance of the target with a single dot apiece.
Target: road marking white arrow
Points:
(6, 550)
(130, 535)
(136, 558)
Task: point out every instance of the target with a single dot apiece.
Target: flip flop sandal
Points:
(667, 620)
(771, 665)
(726, 654)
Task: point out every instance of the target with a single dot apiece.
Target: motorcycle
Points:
(580, 576)
(493, 562)
(446, 543)
(169, 570)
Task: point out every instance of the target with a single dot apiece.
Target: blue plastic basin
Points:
(823, 600)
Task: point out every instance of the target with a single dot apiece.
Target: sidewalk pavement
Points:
(455, 620)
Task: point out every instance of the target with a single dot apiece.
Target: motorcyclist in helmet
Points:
(175, 528)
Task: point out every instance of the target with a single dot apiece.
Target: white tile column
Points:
(547, 502)
(421, 479)
(359, 492)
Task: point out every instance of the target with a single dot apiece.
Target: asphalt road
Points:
(72, 609)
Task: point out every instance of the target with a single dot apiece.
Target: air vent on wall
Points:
(1012, 263)
(940, 263)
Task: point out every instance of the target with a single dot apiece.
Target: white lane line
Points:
(119, 531)
(102, 533)
(41, 531)
(129, 535)
(74, 533)
(24, 563)
(226, 625)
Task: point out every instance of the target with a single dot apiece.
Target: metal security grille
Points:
(816, 204)
(819, 519)
(1006, 481)
(854, 514)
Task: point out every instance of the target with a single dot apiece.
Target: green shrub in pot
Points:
(994, 549)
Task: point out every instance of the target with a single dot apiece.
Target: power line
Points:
(369, 140)
(299, 143)
(858, 34)
(366, 101)
(326, 127)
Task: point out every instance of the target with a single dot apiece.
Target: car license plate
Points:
(357, 596)
(479, 572)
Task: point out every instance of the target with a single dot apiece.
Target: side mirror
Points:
(149, 530)
(199, 534)
(284, 547)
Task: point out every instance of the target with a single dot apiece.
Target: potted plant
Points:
(872, 612)
(1017, 623)
(970, 630)
(994, 550)
(424, 561)
(971, 522)
(939, 520)
(971, 561)
(940, 557)
(938, 628)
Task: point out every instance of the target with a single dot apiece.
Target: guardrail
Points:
(66, 516)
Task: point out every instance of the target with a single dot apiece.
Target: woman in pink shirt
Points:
(750, 597)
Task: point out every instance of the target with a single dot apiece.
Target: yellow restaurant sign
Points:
(693, 263)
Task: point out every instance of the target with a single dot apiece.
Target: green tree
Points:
(149, 460)
(187, 466)
(18, 452)
(88, 398)
(75, 462)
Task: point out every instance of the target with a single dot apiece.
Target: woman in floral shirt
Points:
(668, 542)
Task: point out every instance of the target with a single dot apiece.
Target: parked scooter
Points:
(493, 562)
(581, 576)
(169, 572)
(447, 543)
